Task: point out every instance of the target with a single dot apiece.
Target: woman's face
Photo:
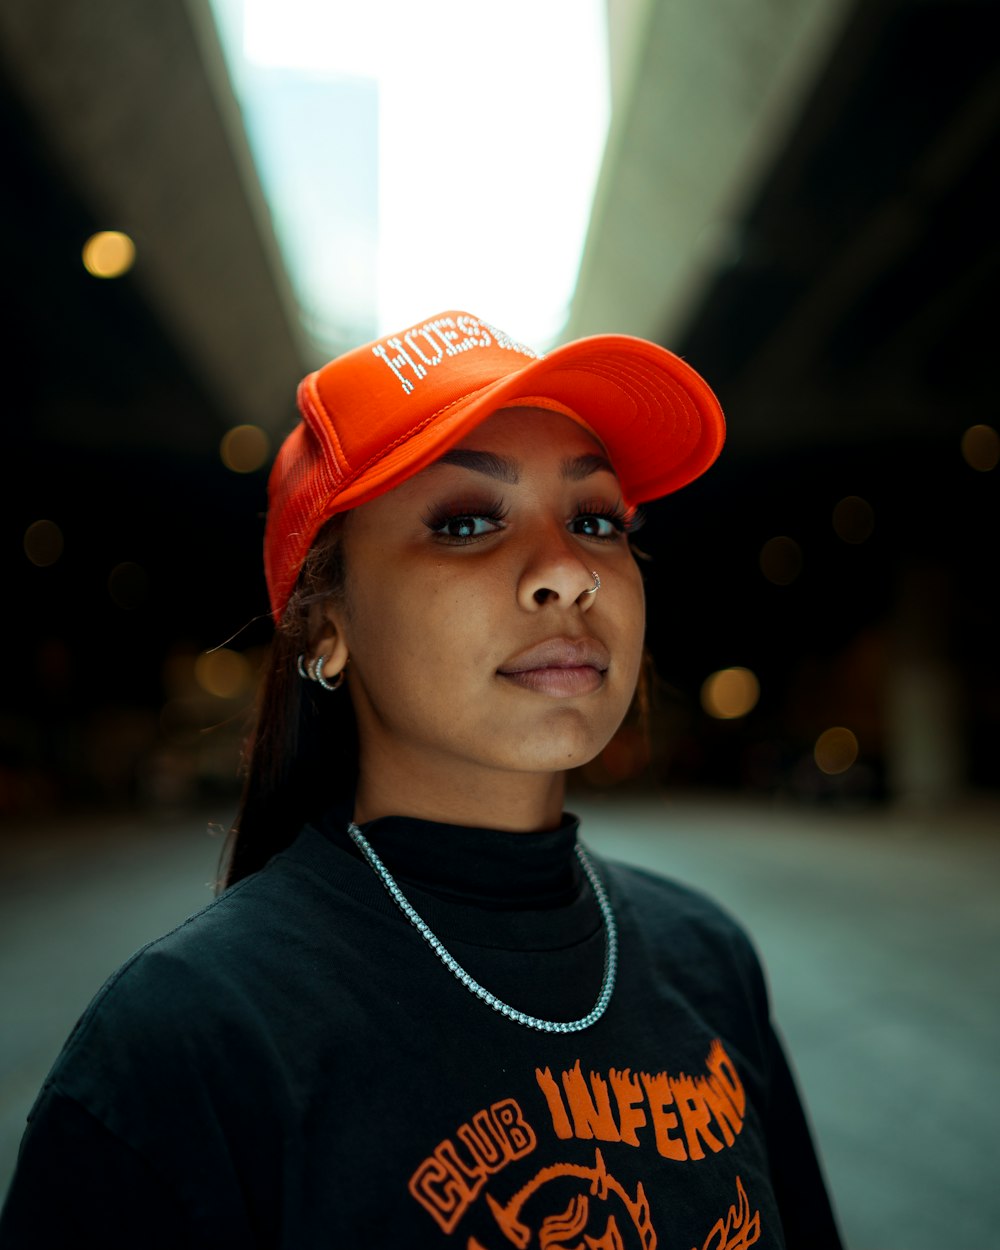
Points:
(474, 649)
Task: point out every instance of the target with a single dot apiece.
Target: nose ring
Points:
(596, 586)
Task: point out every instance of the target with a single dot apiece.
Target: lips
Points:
(560, 653)
(560, 666)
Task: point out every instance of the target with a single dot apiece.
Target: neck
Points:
(519, 802)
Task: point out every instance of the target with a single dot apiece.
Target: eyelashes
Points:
(635, 519)
(624, 520)
(451, 516)
(459, 522)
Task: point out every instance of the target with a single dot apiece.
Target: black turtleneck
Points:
(490, 868)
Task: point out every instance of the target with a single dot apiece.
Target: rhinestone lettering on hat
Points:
(443, 336)
(437, 349)
(507, 343)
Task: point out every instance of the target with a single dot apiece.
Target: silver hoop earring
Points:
(302, 668)
(316, 670)
(597, 585)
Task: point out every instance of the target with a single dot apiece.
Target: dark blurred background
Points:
(843, 551)
(823, 608)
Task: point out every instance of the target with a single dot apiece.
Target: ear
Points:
(327, 638)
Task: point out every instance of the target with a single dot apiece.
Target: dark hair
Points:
(301, 755)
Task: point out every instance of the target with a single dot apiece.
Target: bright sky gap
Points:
(423, 157)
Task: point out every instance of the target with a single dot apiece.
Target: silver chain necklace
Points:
(470, 983)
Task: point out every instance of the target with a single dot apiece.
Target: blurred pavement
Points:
(880, 933)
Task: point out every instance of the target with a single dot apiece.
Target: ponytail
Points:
(302, 753)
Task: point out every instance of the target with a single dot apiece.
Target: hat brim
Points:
(659, 421)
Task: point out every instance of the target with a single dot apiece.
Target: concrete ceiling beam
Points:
(703, 98)
(134, 103)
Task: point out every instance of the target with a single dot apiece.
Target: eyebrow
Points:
(502, 468)
(505, 469)
(576, 468)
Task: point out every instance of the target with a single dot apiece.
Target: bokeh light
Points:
(223, 673)
(128, 585)
(730, 693)
(835, 751)
(244, 448)
(853, 519)
(43, 543)
(108, 254)
(981, 447)
(781, 560)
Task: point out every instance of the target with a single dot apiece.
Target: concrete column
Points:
(924, 748)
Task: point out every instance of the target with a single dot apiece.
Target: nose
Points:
(559, 574)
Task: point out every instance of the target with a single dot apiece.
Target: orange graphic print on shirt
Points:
(599, 1213)
(449, 1180)
(686, 1114)
(738, 1230)
(582, 1205)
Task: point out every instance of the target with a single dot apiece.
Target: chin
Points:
(564, 748)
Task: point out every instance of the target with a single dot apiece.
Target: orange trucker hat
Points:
(377, 415)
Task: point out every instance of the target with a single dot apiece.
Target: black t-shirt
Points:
(293, 1067)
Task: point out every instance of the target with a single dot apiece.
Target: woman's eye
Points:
(591, 526)
(467, 526)
(464, 521)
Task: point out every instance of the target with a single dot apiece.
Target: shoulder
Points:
(664, 900)
(207, 949)
(688, 927)
(230, 969)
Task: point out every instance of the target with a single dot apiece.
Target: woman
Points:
(421, 1014)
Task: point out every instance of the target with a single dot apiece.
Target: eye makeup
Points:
(447, 520)
(465, 519)
(622, 519)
